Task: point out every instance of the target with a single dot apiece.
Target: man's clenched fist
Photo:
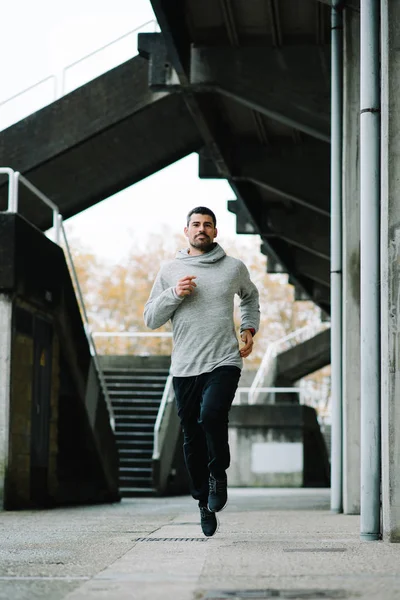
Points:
(185, 286)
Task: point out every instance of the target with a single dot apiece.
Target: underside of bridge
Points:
(256, 80)
(245, 85)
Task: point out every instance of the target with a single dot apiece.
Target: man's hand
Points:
(247, 338)
(185, 286)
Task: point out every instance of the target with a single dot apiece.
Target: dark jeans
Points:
(203, 404)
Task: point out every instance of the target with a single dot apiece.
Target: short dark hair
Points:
(201, 210)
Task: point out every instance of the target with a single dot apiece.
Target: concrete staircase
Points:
(135, 386)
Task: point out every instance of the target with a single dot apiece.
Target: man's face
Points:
(201, 232)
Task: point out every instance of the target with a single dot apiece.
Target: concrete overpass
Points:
(247, 85)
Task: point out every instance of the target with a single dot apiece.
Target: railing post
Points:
(11, 183)
(15, 178)
(57, 222)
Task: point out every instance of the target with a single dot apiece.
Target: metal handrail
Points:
(31, 87)
(132, 334)
(61, 75)
(11, 186)
(273, 350)
(270, 390)
(14, 178)
(168, 396)
(88, 333)
(108, 45)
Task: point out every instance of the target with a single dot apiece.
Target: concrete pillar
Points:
(5, 372)
(351, 265)
(390, 263)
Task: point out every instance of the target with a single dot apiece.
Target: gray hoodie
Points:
(202, 323)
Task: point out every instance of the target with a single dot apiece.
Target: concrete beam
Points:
(244, 222)
(308, 164)
(288, 85)
(295, 227)
(297, 97)
(298, 173)
(303, 359)
(273, 266)
(313, 267)
(53, 130)
(217, 137)
(78, 161)
(284, 253)
(313, 291)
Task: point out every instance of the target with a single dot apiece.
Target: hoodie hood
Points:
(208, 257)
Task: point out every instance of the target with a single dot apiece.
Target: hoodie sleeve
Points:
(162, 303)
(249, 300)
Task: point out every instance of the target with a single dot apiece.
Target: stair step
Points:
(135, 453)
(129, 377)
(138, 434)
(133, 405)
(124, 424)
(133, 463)
(139, 481)
(136, 401)
(135, 396)
(143, 383)
(135, 470)
(151, 407)
(127, 443)
(143, 418)
(135, 393)
(121, 425)
(133, 413)
(130, 492)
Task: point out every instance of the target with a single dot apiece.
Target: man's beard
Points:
(205, 244)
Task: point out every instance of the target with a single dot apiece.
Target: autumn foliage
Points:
(115, 295)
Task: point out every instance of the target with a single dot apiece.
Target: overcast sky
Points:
(39, 41)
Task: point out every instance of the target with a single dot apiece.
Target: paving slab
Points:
(270, 544)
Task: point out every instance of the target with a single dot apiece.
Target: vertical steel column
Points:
(336, 255)
(370, 270)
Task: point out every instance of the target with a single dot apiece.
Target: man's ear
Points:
(216, 233)
(186, 231)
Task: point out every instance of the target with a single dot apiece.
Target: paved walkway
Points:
(270, 544)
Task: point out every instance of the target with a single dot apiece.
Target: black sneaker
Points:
(217, 494)
(208, 520)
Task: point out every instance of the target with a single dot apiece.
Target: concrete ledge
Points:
(62, 447)
(276, 445)
(303, 359)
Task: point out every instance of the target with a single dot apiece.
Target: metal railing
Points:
(58, 81)
(275, 348)
(267, 390)
(14, 178)
(167, 398)
(131, 334)
(168, 394)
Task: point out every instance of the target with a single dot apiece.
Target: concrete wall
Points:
(303, 359)
(69, 455)
(24, 371)
(5, 376)
(390, 259)
(265, 457)
(276, 446)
